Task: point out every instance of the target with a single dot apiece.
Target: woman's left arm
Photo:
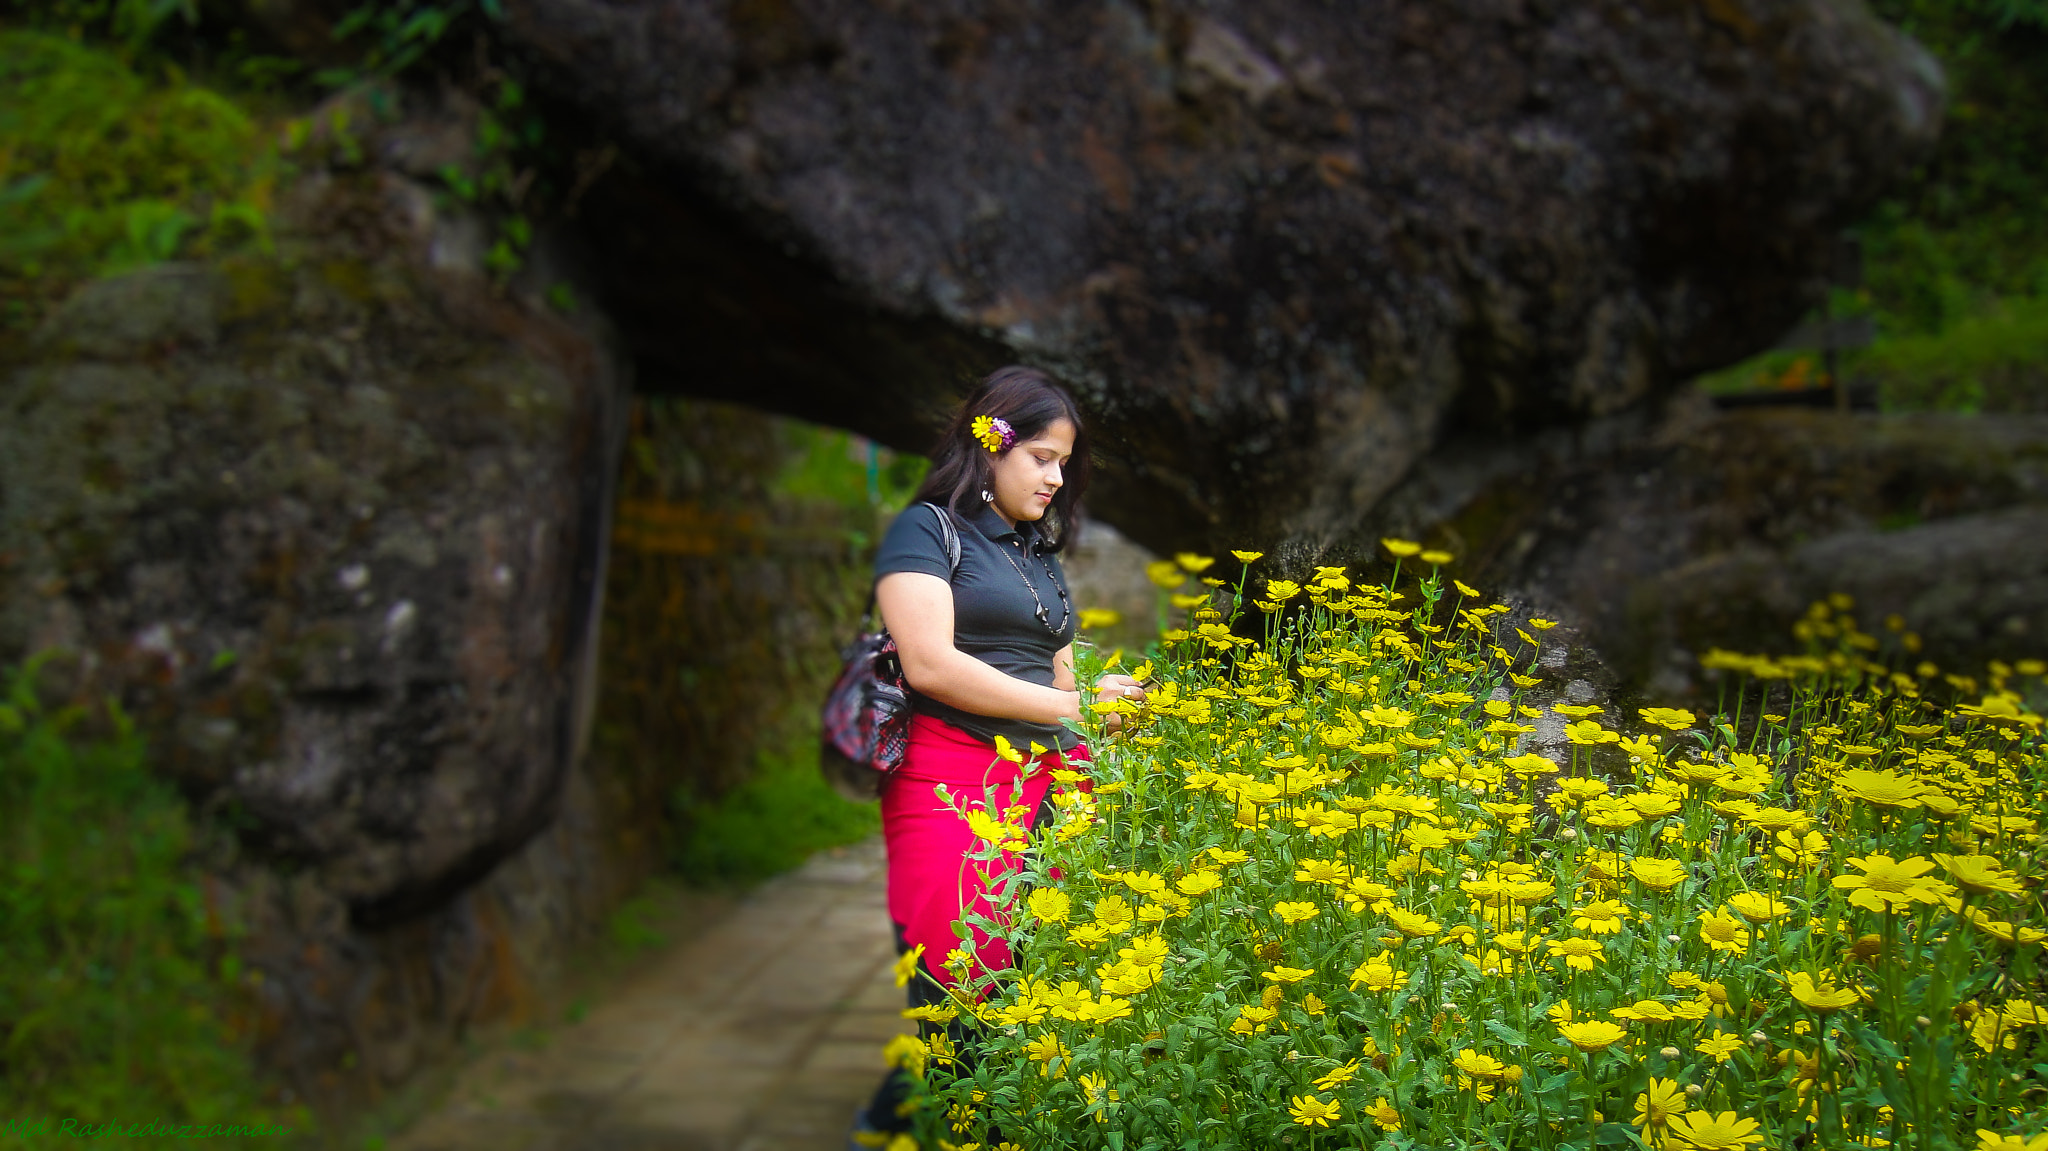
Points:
(1063, 669)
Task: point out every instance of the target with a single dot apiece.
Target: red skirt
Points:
(932, 883)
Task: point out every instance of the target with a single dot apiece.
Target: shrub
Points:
(1317, 896)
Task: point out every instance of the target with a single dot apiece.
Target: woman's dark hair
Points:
(1030, 402)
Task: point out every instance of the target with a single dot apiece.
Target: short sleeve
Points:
(914, 543)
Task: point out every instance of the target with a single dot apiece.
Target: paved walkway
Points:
(763, 1033)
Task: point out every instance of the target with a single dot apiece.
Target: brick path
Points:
(763, 1033)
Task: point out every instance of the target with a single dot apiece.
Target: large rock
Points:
(334, 522)
(1283, 248)
(1660, 535)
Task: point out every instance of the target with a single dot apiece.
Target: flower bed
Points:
(1318, 896)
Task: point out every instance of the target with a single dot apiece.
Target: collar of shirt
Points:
(990, 523)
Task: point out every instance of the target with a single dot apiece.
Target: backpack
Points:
(866, 718)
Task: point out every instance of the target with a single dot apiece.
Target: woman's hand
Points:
(1115, 687)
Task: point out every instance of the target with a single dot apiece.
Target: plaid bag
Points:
(866, 718)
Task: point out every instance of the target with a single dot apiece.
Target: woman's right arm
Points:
(918, 611)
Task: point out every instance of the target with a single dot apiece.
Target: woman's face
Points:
(1030, 472)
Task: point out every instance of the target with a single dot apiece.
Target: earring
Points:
(987, 497)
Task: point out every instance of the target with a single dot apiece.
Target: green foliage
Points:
(130, 22)
(118, 987)
(103, 169)
(768, 824)
(1955, 257)
(396, 34)
(839, 467)
(1993, 360)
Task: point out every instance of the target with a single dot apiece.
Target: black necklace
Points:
(1044, 616)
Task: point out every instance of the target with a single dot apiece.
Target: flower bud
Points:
(1759, 1038)
(1568, 833)
(1693, 1091)
(1669, 1052)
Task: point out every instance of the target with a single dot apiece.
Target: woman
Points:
(987, 648)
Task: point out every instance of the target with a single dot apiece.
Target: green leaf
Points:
(1506, 1034)
(1616, 1135)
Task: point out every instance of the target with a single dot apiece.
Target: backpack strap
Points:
(952, 537)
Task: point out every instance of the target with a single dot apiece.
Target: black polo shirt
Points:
(994, 616)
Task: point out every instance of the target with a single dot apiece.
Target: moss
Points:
(103, 168)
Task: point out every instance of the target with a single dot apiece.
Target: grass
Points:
(769, 824)
(120, 997)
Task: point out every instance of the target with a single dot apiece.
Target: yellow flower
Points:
(1980, 874)
(2001, 708)
(1645, 1011)
(906, 964)
(1050, 905)
(1880, 788)
(1310, 1111)
(1723, 932)
(1657, 874)
(1292, 912)
(1326, 871)
(1705, 1131)
(907, 1052)
(1776, 820)
(1094, 617)
(1757, 907)
(1387, 1118)
(1288, 974)
(1670, 718)
(1198, 882)
(1479, 1066)
(1104, 1010)
(1580, 954)
(1379, 975)
(1822, 996)
(1437, 558)
(1721, 1047)
(1888, 884)
(1146, 951)
(1589, 733)
(1603, 917)
(1391, 717)
(1165, 574)
(1339, 1077)
(1068, 1001)
(1402, 549)
(1412, 925)
(1246, 557)
(984, 429)
(1592, 1035)
(1800, 850)
(1195, 564)
(1114, 913)
(1993, 1141)
(1045, 1049)
(1656, 1107)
